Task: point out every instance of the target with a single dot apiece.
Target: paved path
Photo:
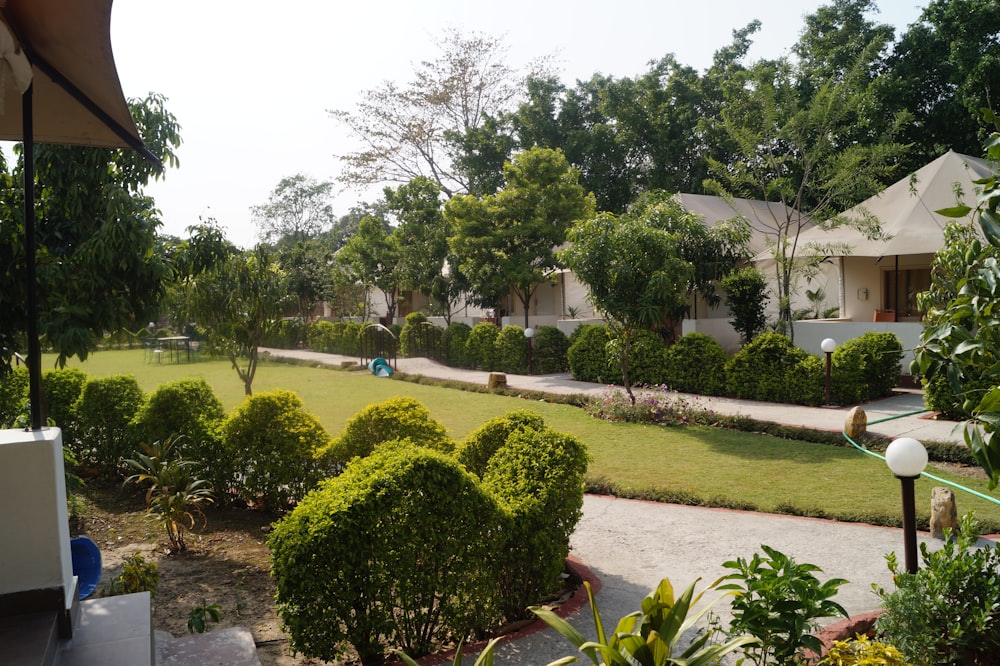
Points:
(631, 545)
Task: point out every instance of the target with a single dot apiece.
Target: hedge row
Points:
(768, 368)
(414, 545)
(265, 453)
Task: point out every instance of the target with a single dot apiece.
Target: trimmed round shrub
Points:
(338, 337)
(696, 363)
(396, 550)
(103, 415)
(477, 449)
(410, 340)
(63, 387)
(189, 408)
(272, 444)
(455, 339)
(588, 355)
(537, 477)
(865, 368)
(319, 335)
(939, 396)
(397, 418)
(288, 334)
(646, 361)
(550, 348)
(480, 348)
(768, 369)
(511, 351)
(13, 395)
(806, 381)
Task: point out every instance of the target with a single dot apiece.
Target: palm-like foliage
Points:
(175, 495)
(650, 636)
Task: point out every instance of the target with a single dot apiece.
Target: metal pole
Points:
(529, 356)
(828, 355)
(909, 523)
(30, 272)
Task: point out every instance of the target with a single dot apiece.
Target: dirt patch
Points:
(970, 471)
(227, 563)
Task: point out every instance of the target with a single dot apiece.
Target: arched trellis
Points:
(377, 341)
(427, 341)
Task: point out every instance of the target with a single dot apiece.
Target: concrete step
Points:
(111, 631)
(29, 639)
(226, 647)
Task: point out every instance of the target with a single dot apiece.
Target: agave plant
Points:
(648, 637)
(175, 495)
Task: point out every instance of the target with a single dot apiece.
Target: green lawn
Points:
(707, 463)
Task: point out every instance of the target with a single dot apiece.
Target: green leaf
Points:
(954, 211)
(990, 223)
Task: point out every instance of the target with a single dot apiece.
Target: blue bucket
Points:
(86, 564)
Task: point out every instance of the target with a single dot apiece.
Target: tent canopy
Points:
(78, 98)
(905, 210)
(764, 217)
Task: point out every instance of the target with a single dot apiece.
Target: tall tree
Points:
(507, 241)
(713, 252)
(800, 152)
(421, 234)
(944, 71)
(633, 272)
(411, 130)
(99, 268)
(239, 301)
(299, 208)
(372, 258)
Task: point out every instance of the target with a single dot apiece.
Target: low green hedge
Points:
(696, 363)
(103, 416)
(13, 395)
(588, 355)
(395, 550)
(455, 339)
(511, 350)
(550, 348)
(481, 346)
(272, 445)
(408, 548)
(393, 419)
(865, 368)
(772, 368)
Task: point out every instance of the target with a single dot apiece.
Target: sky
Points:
(251, 82)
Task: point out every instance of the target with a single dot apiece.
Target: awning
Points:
(78, 98)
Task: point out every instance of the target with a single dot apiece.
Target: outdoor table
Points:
(175, 346)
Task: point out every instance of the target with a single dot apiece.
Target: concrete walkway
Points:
(631, 545)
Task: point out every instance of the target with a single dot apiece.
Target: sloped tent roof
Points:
(762, 216)
(77, 97)
(905, 209)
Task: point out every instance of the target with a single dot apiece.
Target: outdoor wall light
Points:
(529, 333)
(828, 345)
(907, 457)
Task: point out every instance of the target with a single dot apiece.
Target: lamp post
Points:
(529, 333)
(828, 345)
(907, 457)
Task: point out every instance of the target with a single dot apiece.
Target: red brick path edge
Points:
(844, 630)
(570, 606)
